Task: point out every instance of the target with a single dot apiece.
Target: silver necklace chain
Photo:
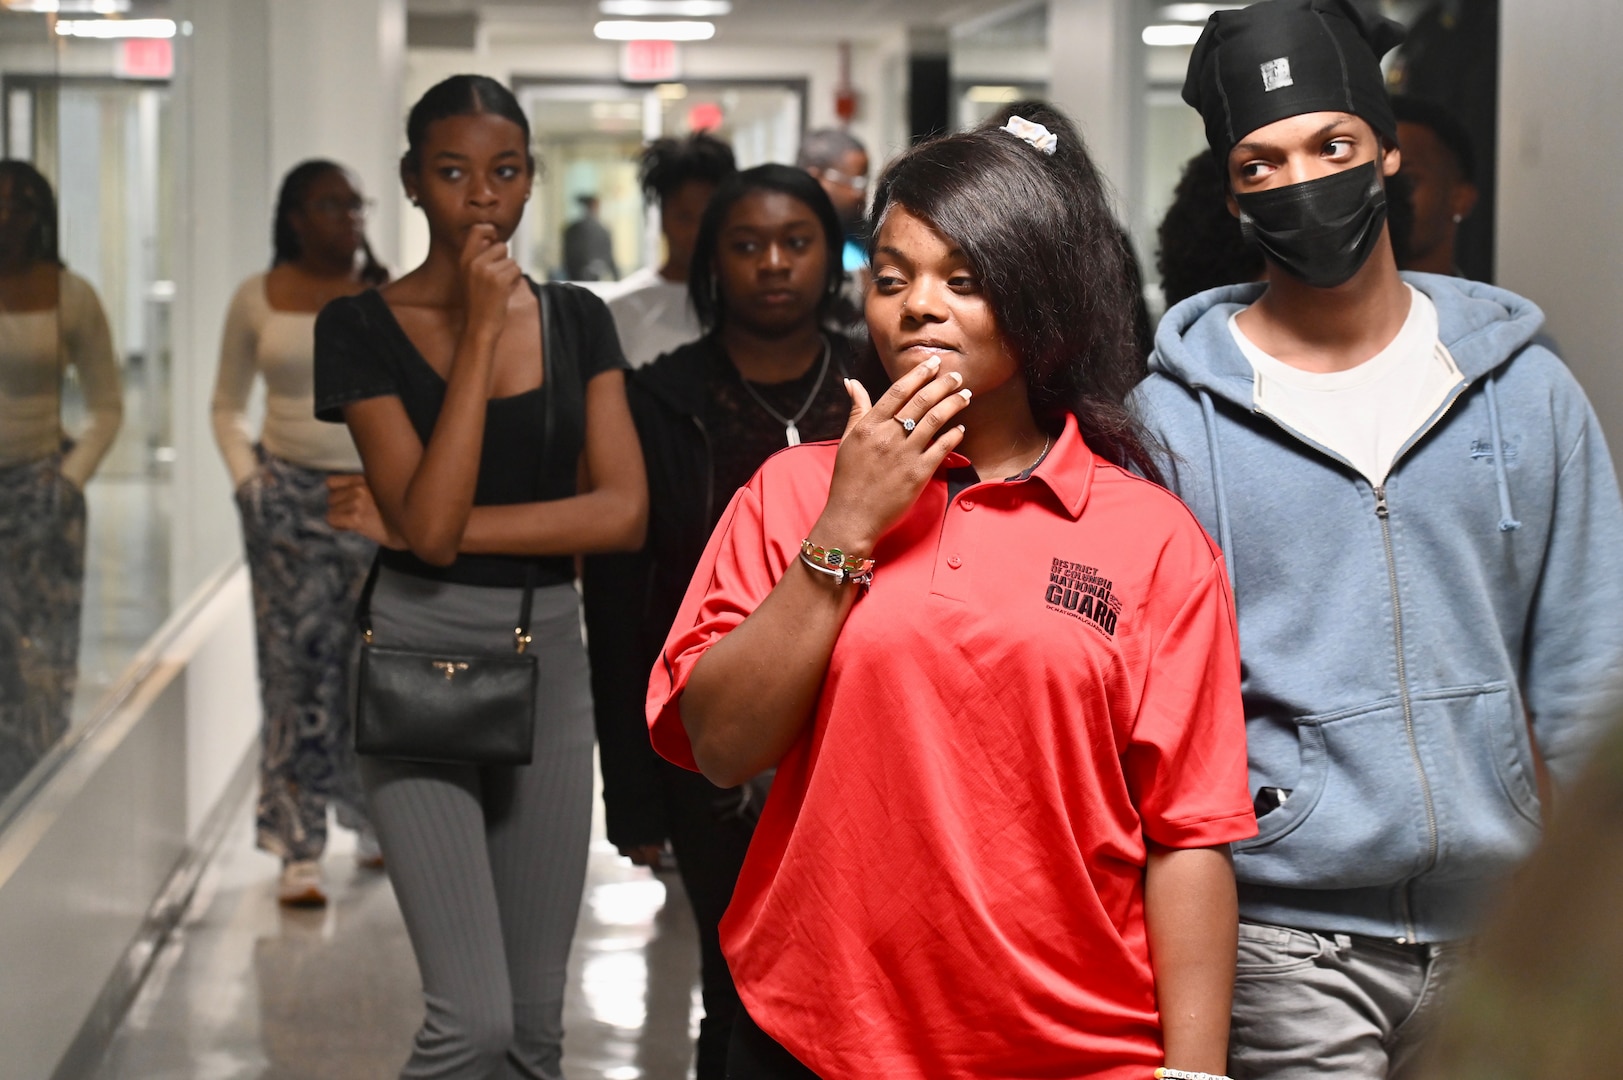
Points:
(791, 432)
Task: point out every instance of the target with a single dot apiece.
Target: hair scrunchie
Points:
(1033, 133)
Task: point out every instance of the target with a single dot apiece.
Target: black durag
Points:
(1281, 58)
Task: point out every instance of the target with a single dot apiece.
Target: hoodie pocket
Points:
(1358, 815)
(1481, 766)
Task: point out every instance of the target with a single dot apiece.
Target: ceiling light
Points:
(116, 28)
(98, 7)
(628, 30)
(994, 95)
(669, 9)
(1193, 13)
(1171, 34)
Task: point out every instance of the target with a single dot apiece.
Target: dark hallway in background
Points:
(1452, 57)
(929, 85)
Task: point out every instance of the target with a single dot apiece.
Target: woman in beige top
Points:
(306, 574)
(50, 321)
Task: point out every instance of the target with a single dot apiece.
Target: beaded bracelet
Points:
(843, 568)
(1164, 1073)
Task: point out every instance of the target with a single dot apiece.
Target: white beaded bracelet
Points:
(1164, 1073)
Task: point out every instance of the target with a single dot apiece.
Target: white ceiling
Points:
(752, 20)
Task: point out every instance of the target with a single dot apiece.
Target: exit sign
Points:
(650, 61)
(146, 58)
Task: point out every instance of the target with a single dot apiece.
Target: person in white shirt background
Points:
(50, 320)
(650, 306)
(306, 574)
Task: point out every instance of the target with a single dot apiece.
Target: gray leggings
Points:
(488, 863)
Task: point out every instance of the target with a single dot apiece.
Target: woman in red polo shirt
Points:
(996, 670)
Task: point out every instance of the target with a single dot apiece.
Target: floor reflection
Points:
(250, 991)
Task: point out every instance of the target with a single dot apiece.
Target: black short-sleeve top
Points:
(362, 352)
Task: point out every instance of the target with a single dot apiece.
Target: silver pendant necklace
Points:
(791, 432)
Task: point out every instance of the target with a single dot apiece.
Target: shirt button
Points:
(954, 561)
(966, 504)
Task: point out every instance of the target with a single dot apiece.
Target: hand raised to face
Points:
(489, 276)
(889, 451)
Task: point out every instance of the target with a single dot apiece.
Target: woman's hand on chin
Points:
(889, 451)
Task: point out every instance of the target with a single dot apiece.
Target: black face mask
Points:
(1321, 231)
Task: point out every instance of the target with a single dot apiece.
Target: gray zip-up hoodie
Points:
(1398, 644)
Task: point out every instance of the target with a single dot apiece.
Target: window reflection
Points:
(52, 328)
(85, 438)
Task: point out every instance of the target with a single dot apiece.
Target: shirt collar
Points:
(1066, 470)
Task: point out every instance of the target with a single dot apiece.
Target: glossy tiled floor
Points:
(249, 990)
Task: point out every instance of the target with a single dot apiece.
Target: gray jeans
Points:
(1309, 1005)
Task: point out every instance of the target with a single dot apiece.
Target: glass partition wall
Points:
(588, 137)
(85, 442)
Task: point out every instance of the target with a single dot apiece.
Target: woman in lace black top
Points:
(473, 435)
(766, 374)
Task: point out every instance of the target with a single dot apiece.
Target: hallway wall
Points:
(878, 70)
(1560, 204)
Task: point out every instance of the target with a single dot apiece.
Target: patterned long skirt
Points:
(307, 577)
(42, 572)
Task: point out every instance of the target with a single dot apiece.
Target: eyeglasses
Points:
(855, 183)
(332, 207)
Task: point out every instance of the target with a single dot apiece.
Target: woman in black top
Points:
(440, 378)
(766, 272)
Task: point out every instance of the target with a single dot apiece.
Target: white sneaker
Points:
(368, 852)
(301, 885)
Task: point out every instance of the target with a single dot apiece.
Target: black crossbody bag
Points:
(450, 707)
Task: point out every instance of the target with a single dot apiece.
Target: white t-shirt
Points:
(1366, 413)
(651, 315)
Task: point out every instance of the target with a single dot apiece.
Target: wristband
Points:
(843, 568)
(1165, 1073)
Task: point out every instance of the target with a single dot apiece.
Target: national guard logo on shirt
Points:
(1078, 590)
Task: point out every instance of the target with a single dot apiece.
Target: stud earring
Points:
(1458, 218)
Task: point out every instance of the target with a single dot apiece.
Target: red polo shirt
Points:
(948, 878)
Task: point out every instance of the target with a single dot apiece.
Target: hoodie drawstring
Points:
(1225, 536)
(1507, 519)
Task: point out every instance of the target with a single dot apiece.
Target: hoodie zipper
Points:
(1383, 513)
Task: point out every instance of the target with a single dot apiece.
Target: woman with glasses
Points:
(306, 574)
(839, 163)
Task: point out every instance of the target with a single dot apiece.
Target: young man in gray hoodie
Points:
(1425, 539)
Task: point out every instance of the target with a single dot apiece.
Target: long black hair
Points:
(666, 164)
(30, 184)
(703, 288)
(461, 95)
(1039, 231)
(1200, 243)
(295, 191)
